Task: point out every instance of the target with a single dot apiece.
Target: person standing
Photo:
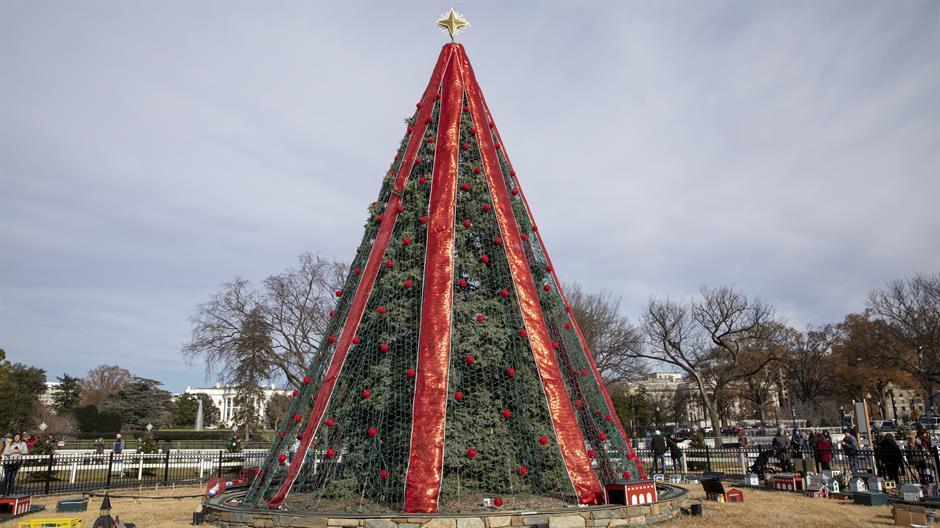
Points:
(659, 452)
(892, 458)
(824, 449)
(12, 458)
(675, 453)
(849, 447)
(742, 439)
(118, 447)
(99, 446)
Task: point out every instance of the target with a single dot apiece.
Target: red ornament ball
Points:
(423, 219)
(339, 293)
(498, 146)
(330, 453)
(417, 105)
(473, 131)
(523, 332)
(543, 440)
(329, 422)
(295, 393)
(467, 224)
(579, 404)
(422, 180)
(515, 192)
(400, 208)
(356, 340)
(462, 283)
(307, 380)
(410, 373)
(523, 471)
(591, 453)
(492, 124)
(379, 217)
(298, 418)
(547, 287)
(470, 359)
(481, 318)
(458, 395)
(407, 284)
(485, 259)
(512, 173)
(585, 372)
(555, 345)
(498, 501)
(366, 394)
(626, 475)
(504, 292)
(487, 207)
(525, 236)
(497, 241)
(506, 413)
(465, 187)
(549, 268)
(332, 313)
(331, 339)
(477, 170)
(389, 263)
(609, 418)
(418, 160)
(380, 310)
(282, 458)
(357, 271)
(372, 432)
(466, 108)
(383, 474)
(602, 436)
(405, 241)
(567, 326)
(511, 372)
(383, 347)
(471, 452)
(465, 146)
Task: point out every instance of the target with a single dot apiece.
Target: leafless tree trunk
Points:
(287, 316)
(911, 307)
(708, 338)
(611, 337)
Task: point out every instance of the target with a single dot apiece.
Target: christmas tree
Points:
(455, 372)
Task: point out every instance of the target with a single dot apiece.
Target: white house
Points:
(224, 399)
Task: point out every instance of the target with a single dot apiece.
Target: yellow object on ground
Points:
(61, 522)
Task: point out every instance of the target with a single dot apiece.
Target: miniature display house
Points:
(788, 482)
(675, 479)
(911, 492)
(659, 477)
(876, 483)
(631, 493)
(817, 492)
(15, 504)
(751, 479)
(857, 485)
(734, 495)
(833, 485)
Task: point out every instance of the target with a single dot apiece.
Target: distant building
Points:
(46, 398)
(224, 399)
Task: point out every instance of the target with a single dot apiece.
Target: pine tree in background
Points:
(456, 370)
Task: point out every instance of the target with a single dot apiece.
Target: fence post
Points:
(685, 461)
(110, 465)
(742, 457)
(220, 464)
(166, 467)
(708, 458)
(49, 472)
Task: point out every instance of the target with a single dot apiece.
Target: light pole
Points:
(631, 392)
(894, 405)
(656, 418)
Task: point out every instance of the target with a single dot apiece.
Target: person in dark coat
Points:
(658, 444)
(824, 449)
(675, 453)
(892, 458)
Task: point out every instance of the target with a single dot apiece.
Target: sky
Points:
(152, 151)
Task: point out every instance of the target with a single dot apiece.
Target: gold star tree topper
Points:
(453, 22)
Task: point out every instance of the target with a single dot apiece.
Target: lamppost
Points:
(656, 418)
(631, 394)
(894, 406)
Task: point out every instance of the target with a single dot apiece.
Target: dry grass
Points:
(145, 513)
(768, 509)
(760, 508)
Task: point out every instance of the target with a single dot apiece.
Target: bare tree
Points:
(102, 381)
(287, 316)
(807, 366)
(911, 307)
(611, 337)
(709, 338)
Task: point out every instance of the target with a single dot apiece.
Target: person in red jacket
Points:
(824, 448)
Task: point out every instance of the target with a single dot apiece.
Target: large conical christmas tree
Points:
(454, 369)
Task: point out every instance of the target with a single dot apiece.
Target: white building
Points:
(46, 397)
(224, 399)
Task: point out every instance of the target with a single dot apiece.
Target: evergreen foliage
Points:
(67, 394)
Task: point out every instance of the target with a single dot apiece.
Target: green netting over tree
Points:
(348, 441)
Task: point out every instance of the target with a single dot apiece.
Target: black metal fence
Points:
(912, 466)
(77, 472)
